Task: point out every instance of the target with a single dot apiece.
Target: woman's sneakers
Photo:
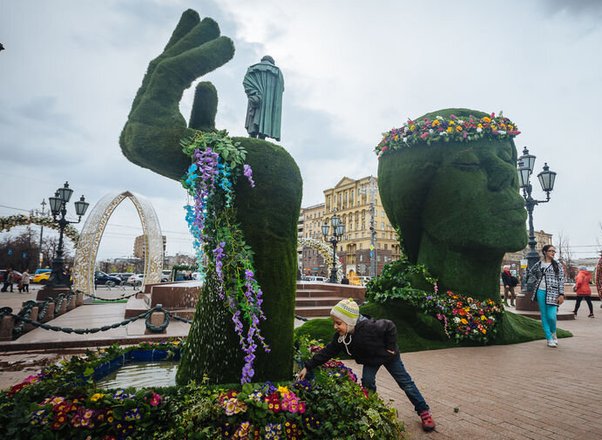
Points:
(428, 424)
(552, 343)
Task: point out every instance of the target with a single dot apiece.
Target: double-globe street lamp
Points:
(58, 208)
(546, 179)
(338, 230)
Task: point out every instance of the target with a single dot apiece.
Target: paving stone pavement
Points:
(521, 391)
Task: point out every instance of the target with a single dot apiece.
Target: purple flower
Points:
(248, 172)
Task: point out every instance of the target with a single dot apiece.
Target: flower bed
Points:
(63, 401)
(463, 318)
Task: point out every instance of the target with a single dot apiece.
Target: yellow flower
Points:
(96, 397)
(483, 318)
(484, 331)
(412, 127)
(283, 391)
(452, 123)
(479, 125)
(458, 128)
(449, 129)
(486, 119)
(435, 123)
(463, 321)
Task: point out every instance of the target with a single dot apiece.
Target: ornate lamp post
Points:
(546, 178)
(58, 207)
(338, 230)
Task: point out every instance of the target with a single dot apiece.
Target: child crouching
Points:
(371, 343)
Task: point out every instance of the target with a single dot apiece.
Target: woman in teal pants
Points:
(548, 291)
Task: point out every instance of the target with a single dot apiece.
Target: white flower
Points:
(479, 130)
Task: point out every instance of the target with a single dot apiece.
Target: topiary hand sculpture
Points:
(267, 214)
(155, 126)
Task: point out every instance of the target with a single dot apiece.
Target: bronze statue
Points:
(264, 85)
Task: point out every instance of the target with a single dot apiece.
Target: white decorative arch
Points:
(326, 251)
(89, 240)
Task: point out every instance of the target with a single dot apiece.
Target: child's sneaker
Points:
(428, 424)
(552, 344)
(555, 338)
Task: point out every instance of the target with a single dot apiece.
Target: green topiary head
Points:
(455, 192)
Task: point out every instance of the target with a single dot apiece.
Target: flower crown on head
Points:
(446, 129)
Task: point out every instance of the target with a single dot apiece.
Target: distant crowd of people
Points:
(10, 277)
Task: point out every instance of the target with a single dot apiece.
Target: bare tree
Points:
(565, 256)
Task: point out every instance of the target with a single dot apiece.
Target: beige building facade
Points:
(369, 241)
(140, 246)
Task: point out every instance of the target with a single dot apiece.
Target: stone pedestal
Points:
(34, 317)
(50, 292)
(49, 312)
(79, 299)
(71, 303)
(6, 328)
(523, 302)
(156, 319)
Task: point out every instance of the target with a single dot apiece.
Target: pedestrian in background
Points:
(24, 283)
(510, 282)
(546, 282)
(8, 280)
(583, 290)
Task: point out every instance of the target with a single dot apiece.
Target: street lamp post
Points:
(58, 207)
(338, 230)
(546, 178)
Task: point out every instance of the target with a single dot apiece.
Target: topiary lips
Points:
(448, 181)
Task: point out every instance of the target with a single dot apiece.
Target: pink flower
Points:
(155, 399)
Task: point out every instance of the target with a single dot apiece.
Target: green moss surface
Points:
(268, 215)
(457, 206)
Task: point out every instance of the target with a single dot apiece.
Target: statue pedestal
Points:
(524, 303)
(50, 292)
(530, 309)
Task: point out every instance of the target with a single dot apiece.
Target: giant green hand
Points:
(267, 213)
(151, 136)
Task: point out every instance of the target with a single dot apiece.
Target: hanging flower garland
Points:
(442, 129)
(326, 251)
(219, 243)
(7, 223)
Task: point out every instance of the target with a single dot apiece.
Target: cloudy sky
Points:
(352, 71)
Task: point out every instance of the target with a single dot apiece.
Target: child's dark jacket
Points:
(369, 344)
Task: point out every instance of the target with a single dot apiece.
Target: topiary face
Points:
(473, 200)
(462, 194)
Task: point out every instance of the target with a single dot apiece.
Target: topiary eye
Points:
(467, 160)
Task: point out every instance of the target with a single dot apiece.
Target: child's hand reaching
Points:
(301, 374)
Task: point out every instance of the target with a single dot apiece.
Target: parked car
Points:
(103, 279)
(124, 276)
(16, 275)
(136, 280)
(165, 276)
(41, 277)
(313, 278)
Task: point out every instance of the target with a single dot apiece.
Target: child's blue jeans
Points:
(402, 377)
